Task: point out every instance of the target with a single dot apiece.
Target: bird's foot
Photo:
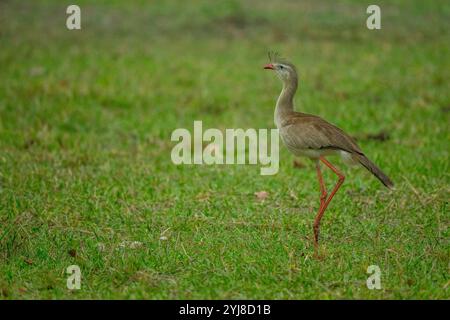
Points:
(317, 252)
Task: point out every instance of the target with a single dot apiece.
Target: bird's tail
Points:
(369, 165)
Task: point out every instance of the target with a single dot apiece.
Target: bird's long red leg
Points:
(323, 207)
(323, 190)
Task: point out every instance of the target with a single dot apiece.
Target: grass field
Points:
(86, 177)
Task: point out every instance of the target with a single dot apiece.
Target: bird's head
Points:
(285, 71)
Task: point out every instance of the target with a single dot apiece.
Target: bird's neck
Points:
(285, 102)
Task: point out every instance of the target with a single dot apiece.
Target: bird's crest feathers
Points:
(275, 57)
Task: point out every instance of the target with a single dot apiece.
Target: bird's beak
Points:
(269, 66)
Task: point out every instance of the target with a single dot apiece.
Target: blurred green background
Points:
(85, 170)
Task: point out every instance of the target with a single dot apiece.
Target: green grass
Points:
(85, 124)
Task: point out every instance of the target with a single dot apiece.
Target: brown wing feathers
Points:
(369, 165)
(329, 136)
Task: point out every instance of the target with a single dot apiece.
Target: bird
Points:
(307, 135)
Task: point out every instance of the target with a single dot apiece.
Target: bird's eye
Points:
(281, 66)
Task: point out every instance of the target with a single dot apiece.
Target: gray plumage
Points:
(311, 136)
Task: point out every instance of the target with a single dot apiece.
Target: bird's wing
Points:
(304, 131)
